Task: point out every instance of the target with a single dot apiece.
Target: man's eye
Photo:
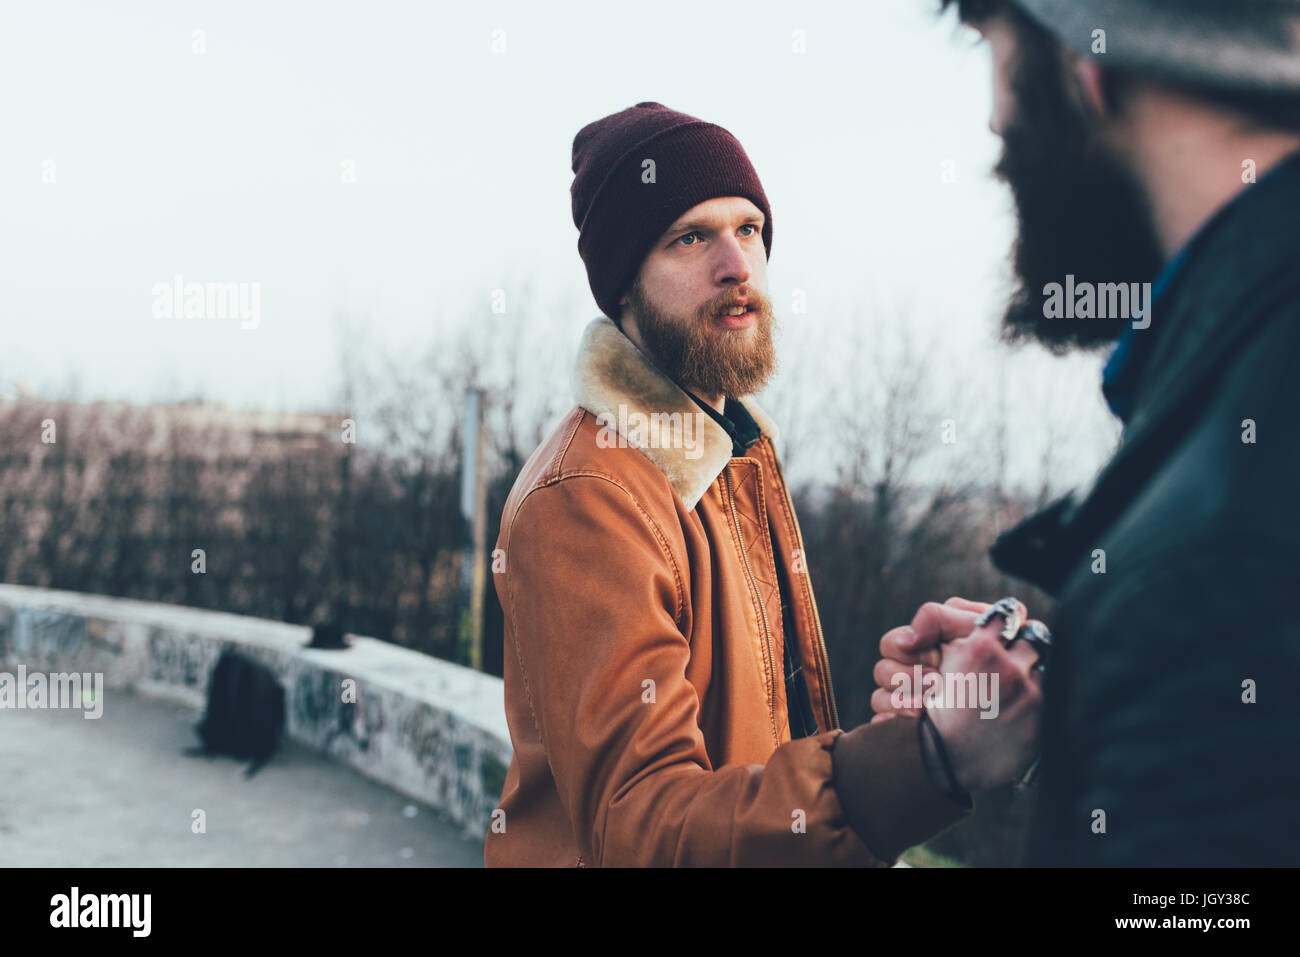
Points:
(683, 239)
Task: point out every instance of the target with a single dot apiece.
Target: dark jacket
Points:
(1147, 714)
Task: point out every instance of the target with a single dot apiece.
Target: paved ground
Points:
(118, 791)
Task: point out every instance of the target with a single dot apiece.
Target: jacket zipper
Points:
(817, 621)
(767, 631)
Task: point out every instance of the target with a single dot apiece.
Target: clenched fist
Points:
(982, 697)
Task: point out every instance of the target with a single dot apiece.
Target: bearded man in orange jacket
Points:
(667, 685)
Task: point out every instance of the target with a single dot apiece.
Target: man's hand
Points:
(901, 649)
(991, 740)
(942, 639)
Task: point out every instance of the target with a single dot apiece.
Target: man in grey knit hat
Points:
(1152, 148)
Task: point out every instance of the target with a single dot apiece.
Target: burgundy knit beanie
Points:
(620, 214)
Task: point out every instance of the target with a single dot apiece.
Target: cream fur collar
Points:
(616, 382)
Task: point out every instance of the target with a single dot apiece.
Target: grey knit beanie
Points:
(1227, 44)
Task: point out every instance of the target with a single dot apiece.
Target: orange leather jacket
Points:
(643, 653)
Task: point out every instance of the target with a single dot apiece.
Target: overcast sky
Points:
(130, 158)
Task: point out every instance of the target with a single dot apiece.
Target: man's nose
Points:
(732, 265)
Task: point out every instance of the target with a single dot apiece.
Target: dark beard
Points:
(705, 360)
(1079, 209)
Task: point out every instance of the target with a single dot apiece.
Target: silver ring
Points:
(1008, 609)
(1037, 635)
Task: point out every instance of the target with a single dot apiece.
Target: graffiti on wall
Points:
(45, 634)
(181, 659)
(331, 711)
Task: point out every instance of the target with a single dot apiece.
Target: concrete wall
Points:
(429, 729)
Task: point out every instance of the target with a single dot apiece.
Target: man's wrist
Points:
(888, 797)
(936, 760)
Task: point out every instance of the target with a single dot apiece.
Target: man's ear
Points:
(1092, 84)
